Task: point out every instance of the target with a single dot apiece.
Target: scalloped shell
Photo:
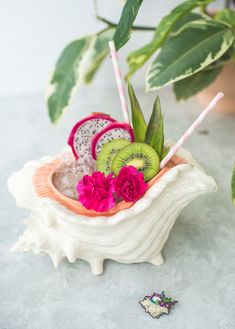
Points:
(133, 235)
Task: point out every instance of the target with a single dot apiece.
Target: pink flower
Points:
(97, 191)
(130, 184)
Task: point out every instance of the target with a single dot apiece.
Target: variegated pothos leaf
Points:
(65, 77)
(98, 51)
(190, 86)
(77, 64)
(190, 50)
(137, 58)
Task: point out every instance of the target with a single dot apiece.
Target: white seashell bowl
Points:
(131, 233)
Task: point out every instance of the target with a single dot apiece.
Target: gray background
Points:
(34, 32)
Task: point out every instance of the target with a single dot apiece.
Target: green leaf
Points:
(233, 185)
(226, 16)
(137, 58)
(98, 51)
(123, 30)
(138, 121)
(233, 51)
(196, 46)
(165, 152)
(78, 63)
(155, 130)
(192, 85)
(65, 77)
(190, 17)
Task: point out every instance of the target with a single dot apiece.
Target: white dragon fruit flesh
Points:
(115, 130)
(83, 132)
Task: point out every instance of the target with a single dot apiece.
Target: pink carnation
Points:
(130, 184)
(97, 191)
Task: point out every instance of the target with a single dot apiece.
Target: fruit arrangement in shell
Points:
(126, 156)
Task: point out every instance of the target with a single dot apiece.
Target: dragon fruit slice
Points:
(115, 130)
(83, 131)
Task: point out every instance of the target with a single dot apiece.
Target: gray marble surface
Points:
(200, 254)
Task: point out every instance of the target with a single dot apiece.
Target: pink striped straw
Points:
(191, 129)
(119, 80)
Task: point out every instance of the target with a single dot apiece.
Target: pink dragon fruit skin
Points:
(83, 132)
(115, 130)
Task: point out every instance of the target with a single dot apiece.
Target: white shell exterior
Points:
(134, 235)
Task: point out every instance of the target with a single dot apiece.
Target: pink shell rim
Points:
(79, 123)
(44, 187)
(114, 125)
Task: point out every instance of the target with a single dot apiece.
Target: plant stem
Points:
(134, 27)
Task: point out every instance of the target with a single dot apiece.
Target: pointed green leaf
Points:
(98, 51)
(123, 30)
(65, 77)
(165, 152)
(233, 185)
(137, 58)
(193, 48)
(155, 130)
(226, 16)
(192, 85)
(138, 121)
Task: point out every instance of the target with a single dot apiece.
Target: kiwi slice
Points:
(140, 155)
(107, 153)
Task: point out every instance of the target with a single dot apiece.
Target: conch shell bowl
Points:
(132, 233)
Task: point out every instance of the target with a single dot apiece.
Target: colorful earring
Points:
(157, 304)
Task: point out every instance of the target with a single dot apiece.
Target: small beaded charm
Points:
(157, 304)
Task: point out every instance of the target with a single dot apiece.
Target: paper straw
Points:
(119, 80)
(191, 129)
